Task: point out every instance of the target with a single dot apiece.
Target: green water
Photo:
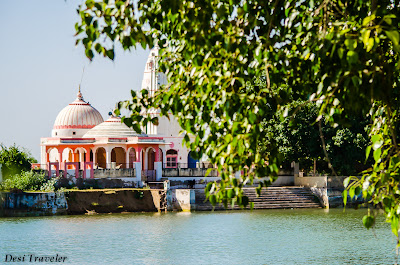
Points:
(307, 236)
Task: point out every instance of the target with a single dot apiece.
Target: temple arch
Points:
(118, 156)
(191, 161)
(101, 157)
(132, 156)
(67, 155)
(151, 158)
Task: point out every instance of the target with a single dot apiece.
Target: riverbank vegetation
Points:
(14, 160)
(28, 181)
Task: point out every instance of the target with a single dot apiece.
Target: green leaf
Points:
(377, 155)
(352, 57)
(213, 199)
(346, 182)
(368, 221)
(89, 54)
(136, 127)
(110, 54)
(393, 35)
(367, 152)
(395, 225)
(231, 193)
(351, 192)
(370, 44)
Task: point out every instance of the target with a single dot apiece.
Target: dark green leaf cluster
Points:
(342, 55)
(298, 139)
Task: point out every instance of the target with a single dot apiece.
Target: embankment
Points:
(81, 202)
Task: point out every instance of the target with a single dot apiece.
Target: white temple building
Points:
(82, 140)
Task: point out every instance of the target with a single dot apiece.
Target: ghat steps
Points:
(270, 198)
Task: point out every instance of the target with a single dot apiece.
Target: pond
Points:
(297, 236)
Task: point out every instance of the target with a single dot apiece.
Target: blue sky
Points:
(40, 70)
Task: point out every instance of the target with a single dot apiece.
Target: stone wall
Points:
(328, 189)
(318, 182)
(83, 202)
(114, 201)
(115, 173)
(32, 203)
(101, 183)
(181, 200)
(188, 172)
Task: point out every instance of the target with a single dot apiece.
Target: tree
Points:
(343, 55)
(299, 139)
(14, 160)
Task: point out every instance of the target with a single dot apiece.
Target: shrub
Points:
(26, 181)
(14, 160)
(49, 185)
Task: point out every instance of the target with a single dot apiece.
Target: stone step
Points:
(270, 198)
(257, 207)
(292, 198)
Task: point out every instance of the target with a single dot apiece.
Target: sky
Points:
(41, 68)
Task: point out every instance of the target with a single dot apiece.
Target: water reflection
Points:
(301, 236)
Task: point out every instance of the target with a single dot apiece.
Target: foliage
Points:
(25, 181)
(50, 185)
(299, 139)
(14, 160)
(343, 55)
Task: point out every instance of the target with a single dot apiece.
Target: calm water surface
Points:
(307, 236)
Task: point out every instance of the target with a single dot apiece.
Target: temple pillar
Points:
(158, 168)
(127, 165)
(95, 157)
(138, 170)
(108, 157)
(81, 158)
(145, 159)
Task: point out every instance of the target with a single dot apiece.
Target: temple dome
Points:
(112, 128)
(76, 119)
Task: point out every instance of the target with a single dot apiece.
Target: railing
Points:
(149, 175)
(115, 165)
(188, 165)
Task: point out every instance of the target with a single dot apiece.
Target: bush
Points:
(26, 181)
(14, 160)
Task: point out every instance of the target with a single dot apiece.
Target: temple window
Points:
(172, 159)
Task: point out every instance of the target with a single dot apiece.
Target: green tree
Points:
(299, 139)
(343, 55)
(14, 160)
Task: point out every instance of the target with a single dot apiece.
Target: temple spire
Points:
(79, 95)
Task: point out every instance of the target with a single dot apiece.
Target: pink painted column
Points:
(88, 165)
(56, 164)
(60, 152)
(75, 164)
(138, 153)
(157, 158)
